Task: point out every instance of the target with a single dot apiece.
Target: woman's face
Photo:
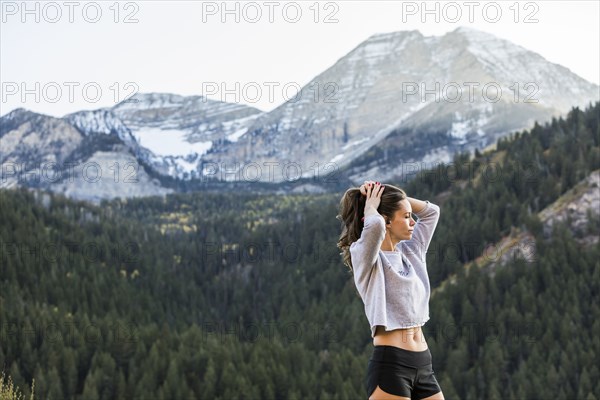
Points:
(402, 225)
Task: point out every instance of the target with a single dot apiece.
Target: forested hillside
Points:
(222, 296)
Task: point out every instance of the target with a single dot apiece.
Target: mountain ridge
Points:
(380, 113)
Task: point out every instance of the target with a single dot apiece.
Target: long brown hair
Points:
(351, 212)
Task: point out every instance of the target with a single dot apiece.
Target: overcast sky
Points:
(186, 48)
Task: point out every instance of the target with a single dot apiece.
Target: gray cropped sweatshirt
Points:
(394, 285)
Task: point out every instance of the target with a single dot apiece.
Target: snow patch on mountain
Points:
(169, 142)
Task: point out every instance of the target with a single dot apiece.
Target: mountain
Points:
(369, 106)
(397, 102)
(122, 151)
(52, 153)
(170, 133)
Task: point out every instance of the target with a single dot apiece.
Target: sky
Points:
(57, 58)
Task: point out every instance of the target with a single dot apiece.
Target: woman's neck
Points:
(388, 243)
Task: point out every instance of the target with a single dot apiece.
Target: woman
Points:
(385, 249)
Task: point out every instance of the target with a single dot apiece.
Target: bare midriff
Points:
(409, 338)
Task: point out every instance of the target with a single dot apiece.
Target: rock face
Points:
(111, 174)
(396, 103)
(30, 141)
(575, 208)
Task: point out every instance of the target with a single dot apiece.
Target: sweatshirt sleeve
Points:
(424, 228)
(365, 250)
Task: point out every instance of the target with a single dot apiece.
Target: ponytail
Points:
(352, 213)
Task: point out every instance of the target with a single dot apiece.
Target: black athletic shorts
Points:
(401, 372)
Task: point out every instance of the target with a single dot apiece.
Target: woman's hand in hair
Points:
(374, 191)
(363, 187)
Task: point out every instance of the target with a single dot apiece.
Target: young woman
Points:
(385, 249)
